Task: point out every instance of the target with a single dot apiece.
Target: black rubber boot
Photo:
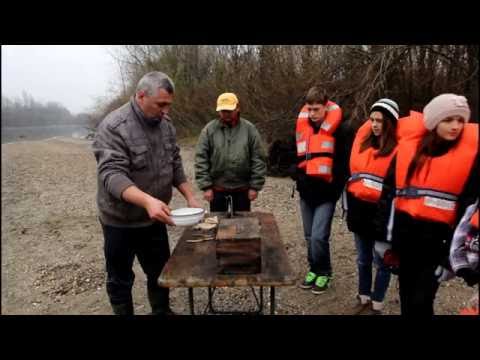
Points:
(123, 309)
(158, 298)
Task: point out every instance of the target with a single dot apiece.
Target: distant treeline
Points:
(26, 111)
(271, 80)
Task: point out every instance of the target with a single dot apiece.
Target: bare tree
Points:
(271, 80)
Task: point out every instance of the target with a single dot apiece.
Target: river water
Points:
(12, 134)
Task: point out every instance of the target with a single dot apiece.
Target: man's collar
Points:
(141, 115)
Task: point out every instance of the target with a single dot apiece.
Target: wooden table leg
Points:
(190, 300)
(272, 300)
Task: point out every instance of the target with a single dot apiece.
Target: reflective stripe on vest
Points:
(372, 177)
(413, 192)
(371, 186)
(432, 198)
(319, 159)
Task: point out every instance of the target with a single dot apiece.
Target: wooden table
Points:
(194, 264)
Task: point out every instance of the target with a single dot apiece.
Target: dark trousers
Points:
(150, 245)
(418, 287)
(240, 201)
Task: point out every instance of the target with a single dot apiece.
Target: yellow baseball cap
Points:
(227, 101)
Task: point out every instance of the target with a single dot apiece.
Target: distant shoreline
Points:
(26, 133)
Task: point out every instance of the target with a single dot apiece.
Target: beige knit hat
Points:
(443, 106)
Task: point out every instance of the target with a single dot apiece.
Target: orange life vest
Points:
(469, 311)
(317, 150)
(367, 171)
(433, 191)
(411, 127)
(474, 219)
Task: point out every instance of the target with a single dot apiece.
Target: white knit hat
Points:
(389, 105)
(444, 106)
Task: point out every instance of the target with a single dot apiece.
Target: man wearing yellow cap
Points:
(230, 159)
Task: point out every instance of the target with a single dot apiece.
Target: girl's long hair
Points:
(386, 142)
(430, 145)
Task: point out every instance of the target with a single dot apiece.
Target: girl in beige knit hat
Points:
(434, 178)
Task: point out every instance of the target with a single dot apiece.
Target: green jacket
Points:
(230, 157)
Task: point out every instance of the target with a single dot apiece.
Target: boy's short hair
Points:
(316, 95)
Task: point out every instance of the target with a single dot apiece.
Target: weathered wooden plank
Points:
(247, 249)
(238, 228)
(226, 232)
(239, 259)
(238, 248)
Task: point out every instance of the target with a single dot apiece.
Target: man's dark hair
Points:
(316, 95)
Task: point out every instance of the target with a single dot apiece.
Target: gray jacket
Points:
(133, 150)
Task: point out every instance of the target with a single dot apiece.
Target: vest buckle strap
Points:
(408, 192)
(357, 176)
(413, 192)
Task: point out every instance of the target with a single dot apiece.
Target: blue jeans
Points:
(317, 222)
(366, 256)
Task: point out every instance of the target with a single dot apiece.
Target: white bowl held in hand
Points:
(187, 216)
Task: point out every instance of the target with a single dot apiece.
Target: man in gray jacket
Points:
(230, 160)
(138, 164)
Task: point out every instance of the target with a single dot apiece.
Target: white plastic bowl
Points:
(187, 216)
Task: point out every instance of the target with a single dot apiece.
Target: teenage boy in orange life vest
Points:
(323, 146)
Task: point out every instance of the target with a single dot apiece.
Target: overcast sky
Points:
(73, 75)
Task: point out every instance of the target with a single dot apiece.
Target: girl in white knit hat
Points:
(434, 178)
(372, 152)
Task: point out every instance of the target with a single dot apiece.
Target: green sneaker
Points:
(321, 284)
(309, 280)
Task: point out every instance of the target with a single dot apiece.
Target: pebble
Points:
(56, 280)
